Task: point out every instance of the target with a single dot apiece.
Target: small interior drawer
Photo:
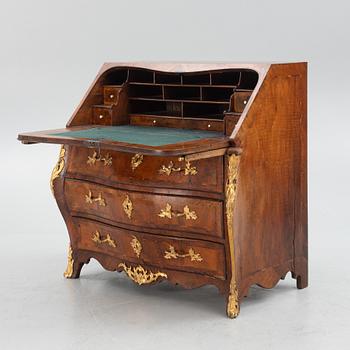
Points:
(102, 115)
(111, 94)
(240, 100)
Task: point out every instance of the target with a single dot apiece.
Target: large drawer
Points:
(145, 209)
(161, 251)
(171, 172)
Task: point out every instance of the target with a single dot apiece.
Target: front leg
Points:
(233, 302)
(73, 266)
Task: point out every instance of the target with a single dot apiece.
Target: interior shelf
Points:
(182, 100)
(208, 94)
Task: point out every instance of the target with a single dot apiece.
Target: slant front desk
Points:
(190, 173)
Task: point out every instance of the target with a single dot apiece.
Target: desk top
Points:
(140, 135)
(160, 141)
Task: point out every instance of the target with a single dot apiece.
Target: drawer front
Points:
(145, 209)
(111, 94)
(240, 100)
(203, 175)
(160, 251)
(102, 115)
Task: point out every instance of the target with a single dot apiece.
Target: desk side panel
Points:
(270, 219)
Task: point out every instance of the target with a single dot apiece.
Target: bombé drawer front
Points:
(160, 251)
(128, 168)
(155, 211)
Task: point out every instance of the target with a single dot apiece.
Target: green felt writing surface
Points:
(141, 135)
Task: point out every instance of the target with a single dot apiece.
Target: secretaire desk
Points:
(191, 173)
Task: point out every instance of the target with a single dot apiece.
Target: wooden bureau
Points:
(191, 173)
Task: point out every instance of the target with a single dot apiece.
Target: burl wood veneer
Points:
(191, 173)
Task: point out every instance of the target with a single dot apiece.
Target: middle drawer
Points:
(145, 209)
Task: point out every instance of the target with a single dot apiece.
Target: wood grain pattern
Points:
(146, 208)
(209, 177)
(272, 175)
(153, 249)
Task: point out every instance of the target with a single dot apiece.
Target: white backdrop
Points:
(49, 53)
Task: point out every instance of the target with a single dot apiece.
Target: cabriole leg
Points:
(232, 303)
(73, 267)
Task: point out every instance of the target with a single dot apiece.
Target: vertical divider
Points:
(181, 79)
(127, 75)
(239, 79)
(210, 79)
(201, 93)
(163, 94)
(154, 77)
(182, 109)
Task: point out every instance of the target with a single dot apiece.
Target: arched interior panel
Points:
(199, 95)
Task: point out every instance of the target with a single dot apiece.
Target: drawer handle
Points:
(89, 199)
(136, 160)
(136, 246)
(127, 206)
(172, 254)
(96, 237)
(107, 159)
(170, 168)
(140, 275)
(168, 213)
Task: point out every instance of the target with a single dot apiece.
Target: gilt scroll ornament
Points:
(136, 246)
(127, 206)
(106, 160)
(58, 168)
(231, 189)
(140, 275)
(70, 261)
(136, 160)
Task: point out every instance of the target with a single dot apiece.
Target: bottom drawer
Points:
(161, 251)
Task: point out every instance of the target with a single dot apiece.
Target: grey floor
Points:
(42, 310)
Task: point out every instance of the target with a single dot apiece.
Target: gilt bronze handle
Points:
(96, 237)
(172, 254)
(89, 199)
(188, 169)
(169, 213)
(107, 159)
